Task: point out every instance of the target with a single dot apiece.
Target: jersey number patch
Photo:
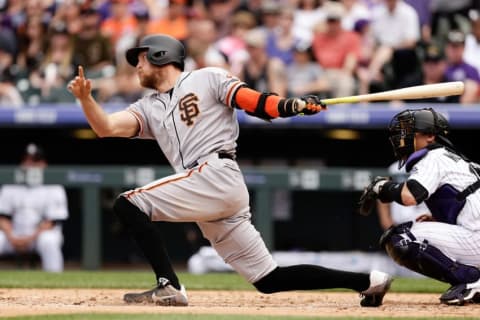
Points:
(188, 106)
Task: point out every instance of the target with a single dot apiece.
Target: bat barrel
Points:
(416, 92)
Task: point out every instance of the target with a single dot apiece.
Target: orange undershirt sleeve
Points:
(247, 99)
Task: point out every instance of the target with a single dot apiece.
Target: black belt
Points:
(221, 155)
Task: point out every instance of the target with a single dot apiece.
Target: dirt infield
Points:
(14, 302)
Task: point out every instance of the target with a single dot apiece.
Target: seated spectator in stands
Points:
(305, 75)
(201, 49)
(93, 50)
(308, 15)
(260, 72)
(434, 66)
(367, 47)
(9, 95)
(57, 67)
(67, 15)
(355, 10)
(337, 51)
(282, 40)
(121, 23)
(396, 28)
(123, 85)
(458, 69)
(31, 37)
(449, 15)
(31, 213)
(233, 44)
(269, 15)
(471, 54)
(422, 7)
(173, 22)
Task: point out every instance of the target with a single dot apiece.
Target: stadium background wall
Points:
(337, 228)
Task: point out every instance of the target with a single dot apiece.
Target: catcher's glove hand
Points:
(309, 104)
(370, 194)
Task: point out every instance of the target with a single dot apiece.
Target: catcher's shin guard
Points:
(425, 259)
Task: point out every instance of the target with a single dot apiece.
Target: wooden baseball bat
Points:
(442, 89)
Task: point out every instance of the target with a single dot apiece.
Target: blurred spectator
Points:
(32, 36)
(305, 75)
(422, 7)
(120, 23)
(9, 95)
(201, 50)
(13, 14)
(282, 40)
(173, 22)
(233, 45)
(471, 54)
(67, 15)
(308, 15)
(449, 15)
(219, 10)
(367, 47)
(269, 15)
(93, 50)
(355, 10)
(261, 72)
(31, 214)
(434, 66)
(397, 30)
(124, 84)
(458, 69)
(337, 51)
(57, 67)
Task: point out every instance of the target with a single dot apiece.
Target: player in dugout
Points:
(192, 116)
(443, 245)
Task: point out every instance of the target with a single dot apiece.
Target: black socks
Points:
(148, 238)
(311, 277)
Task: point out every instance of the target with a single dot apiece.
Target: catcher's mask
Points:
(161, 50)
(405, 124)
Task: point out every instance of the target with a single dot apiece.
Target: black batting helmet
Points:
(161, 50)
(405, 124)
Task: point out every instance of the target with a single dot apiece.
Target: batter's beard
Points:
(147, 82)
(151, 80)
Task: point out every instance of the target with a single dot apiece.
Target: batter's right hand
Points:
(80, 87)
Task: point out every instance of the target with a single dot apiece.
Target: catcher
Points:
(446, 244)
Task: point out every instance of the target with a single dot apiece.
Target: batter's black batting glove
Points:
(313, 105)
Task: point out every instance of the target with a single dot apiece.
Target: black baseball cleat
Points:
(379, 284)
(164, 294)
(461, 294)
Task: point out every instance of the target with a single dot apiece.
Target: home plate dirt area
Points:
(15, 302)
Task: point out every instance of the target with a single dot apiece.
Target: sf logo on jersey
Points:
(188, 106)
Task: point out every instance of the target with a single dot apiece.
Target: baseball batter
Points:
(446, 244)
(192, 117)
(31, 215)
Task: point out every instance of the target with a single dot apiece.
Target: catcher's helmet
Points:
(161, 50)
(403, 126)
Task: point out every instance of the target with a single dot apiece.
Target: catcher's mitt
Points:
(370, 194)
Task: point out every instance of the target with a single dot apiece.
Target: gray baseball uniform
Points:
(196, 128)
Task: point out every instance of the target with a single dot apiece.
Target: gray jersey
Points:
(195, 120)
(192, 126)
